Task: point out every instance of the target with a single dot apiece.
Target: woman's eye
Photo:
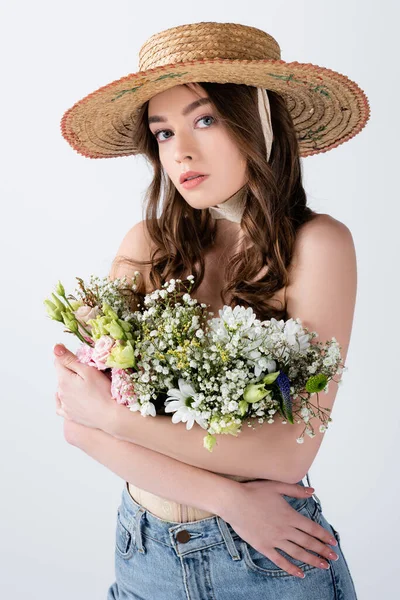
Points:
(206, 117)
(162, 131)
(157, 133)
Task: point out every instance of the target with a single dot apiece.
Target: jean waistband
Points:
(168, 510)
(182, 537)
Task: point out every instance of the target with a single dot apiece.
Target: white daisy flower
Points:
(181, 405)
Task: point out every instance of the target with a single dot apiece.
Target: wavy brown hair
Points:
(276, 205)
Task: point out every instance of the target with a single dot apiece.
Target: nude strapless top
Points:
(167, 510)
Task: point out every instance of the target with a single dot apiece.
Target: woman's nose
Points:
(184, 147)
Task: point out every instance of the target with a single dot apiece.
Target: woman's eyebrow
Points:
(188, 109)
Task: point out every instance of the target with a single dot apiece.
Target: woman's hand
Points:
(83, 393)
(262, 517)
(73, 432)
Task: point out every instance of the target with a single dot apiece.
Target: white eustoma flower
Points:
(277, 324)
(264, 365)
(180, 407)
(295, 336)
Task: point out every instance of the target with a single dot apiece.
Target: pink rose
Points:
(84, 314)
(122, 388)
(101, 351)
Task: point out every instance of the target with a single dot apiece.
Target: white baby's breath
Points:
(199, 367)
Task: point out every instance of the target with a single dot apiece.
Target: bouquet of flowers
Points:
(168, 354)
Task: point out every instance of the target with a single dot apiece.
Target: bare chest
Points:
(210, 288)
(214, 280)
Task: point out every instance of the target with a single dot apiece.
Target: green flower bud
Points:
(108, 311)
(99, 326)
(316, 383)
(60, 305)
(115, 330)
(209, 442)
(270, 378)
(60, 289)
(95, 328)
(125, 326)
(255, 392)
(243, 406)
(53, 311)
(70, 321)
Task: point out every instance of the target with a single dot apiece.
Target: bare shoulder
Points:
(135, 247)
(136, 242)
(323, 278)
(324, 239)
(321, 227)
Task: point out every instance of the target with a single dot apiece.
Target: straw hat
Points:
(327, 108)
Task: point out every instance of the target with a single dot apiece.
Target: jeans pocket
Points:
(256, 561)
(124, 537)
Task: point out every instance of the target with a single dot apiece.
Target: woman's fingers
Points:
(291, 489)
(306, 534)
(298, 551)
(313, 529)
(283, 527)
(303, 555)
(311, 543)
(283, 563)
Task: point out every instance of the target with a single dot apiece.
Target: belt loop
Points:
(228, 539)
(138, 533)
(318, 501)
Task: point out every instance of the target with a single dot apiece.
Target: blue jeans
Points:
(208, 560)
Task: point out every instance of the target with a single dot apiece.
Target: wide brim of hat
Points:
(327, 107)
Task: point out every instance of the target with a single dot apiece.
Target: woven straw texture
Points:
(327, 107)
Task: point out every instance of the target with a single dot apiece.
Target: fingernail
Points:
(300, 574)
(59, 349)
(310, 490)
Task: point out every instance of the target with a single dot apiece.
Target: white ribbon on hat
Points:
(265, 115)
(233, 208)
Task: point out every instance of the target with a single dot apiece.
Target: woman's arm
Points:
(154, 472)
(322, 292)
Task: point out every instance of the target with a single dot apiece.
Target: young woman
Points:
(223, 123)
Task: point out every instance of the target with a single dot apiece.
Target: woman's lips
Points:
(191, 183)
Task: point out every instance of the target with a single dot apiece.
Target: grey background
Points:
(58, 506)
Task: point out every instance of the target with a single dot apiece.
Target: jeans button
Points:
(183, 536)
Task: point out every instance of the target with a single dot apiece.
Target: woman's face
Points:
(192, 139)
